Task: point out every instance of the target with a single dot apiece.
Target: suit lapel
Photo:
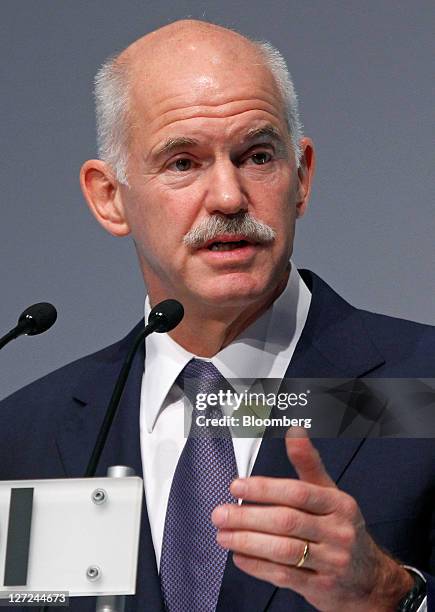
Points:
(77, 437)
(334, 344)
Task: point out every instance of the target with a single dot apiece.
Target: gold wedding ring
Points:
(304, 555)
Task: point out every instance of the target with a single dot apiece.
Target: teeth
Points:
(227, 246)
(221, 246)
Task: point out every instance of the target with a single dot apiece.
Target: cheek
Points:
(160, 218)
(273, 176)
(274, 186)
(274, 204)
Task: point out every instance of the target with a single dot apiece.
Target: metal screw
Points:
(99, 496)
(93, 573)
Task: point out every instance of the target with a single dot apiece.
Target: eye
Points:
(261, 158)
(181, 165)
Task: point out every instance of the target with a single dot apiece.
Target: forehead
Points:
(190, 94)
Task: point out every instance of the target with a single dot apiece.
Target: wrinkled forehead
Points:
(191, 78)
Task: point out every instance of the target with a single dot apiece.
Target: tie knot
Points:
(204, 373)
(200, 380)
(200, 376)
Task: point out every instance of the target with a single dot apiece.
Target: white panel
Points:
(71, 533)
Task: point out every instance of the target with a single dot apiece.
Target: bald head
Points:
(189, 36)
(186, 59)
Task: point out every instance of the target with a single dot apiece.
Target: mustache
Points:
(242, 223)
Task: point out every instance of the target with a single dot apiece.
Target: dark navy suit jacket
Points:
(48, 429)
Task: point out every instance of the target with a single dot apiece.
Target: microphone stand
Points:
(14, 333)
(114, 401)
(22, 328)
(164, 316)
(114, 603)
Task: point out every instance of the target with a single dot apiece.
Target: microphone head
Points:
(166, 315)
(38, 318)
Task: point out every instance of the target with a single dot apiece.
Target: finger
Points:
(305, 458)
(278, 549)
(299, 580)
(327, 559)
(286, 492)
(278, 520)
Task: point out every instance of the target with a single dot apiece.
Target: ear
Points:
(305, 174)
(102, 193)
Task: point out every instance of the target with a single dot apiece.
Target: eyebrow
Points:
(172, 144)
(268, 131)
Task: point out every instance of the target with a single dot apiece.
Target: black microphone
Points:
(163, 317)
(34, 320)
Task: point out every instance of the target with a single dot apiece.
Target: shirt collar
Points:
(262, 350)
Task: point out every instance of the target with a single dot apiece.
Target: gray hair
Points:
(112, 107)
(112, 114)
(278, 67)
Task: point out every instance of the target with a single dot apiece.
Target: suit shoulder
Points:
(46, 390)
(394, 328)
(407, 348)
(402, 342)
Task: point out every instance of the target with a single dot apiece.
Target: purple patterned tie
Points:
(192, 563)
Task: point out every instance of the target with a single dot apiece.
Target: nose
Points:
(225, 193)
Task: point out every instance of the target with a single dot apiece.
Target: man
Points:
(204, 164)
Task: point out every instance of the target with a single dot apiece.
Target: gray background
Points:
(364, 73)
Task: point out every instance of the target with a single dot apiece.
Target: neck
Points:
(205, 333)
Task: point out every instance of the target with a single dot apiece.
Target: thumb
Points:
(305, 458)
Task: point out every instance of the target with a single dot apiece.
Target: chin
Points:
(236, 293)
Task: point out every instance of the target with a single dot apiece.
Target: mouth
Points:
(228, 243)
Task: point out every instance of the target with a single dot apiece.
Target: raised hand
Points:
(310, 537)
